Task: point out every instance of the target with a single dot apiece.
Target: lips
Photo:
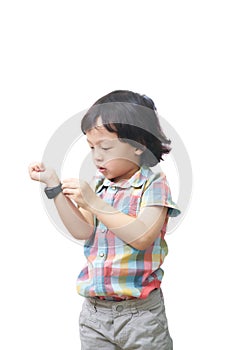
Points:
(101, 169)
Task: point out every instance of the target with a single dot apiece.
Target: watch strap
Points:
(52, 192)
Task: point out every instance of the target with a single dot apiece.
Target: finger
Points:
(32, 170)
(73, 185)
(36, 166)
(69, 186)
(70, 191)
(39, 169)
(68, 196)
(70, 180)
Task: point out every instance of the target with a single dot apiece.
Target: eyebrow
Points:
(101, 140)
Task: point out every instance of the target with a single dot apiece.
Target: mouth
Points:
(101, 169)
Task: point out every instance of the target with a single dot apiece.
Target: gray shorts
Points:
(132, 324)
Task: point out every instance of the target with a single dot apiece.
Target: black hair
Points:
(135, 120)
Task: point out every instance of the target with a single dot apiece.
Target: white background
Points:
(57, 58)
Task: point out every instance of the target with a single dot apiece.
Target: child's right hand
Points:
(38, 172)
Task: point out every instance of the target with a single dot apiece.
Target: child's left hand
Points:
(80, 192)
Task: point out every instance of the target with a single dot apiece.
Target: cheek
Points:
(111, 163)
(113, 156)
(122, 154)
(119, 156)
(117, 165)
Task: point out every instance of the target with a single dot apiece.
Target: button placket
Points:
(102, 243)
(112, 190)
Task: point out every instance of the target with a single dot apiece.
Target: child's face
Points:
(115, 159)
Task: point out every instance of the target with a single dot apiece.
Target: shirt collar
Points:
(137, 180)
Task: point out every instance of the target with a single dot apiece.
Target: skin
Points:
(116, 160)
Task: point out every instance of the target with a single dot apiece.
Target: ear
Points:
(139, 151)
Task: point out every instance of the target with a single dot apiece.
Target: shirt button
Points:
(103, 230)
(119, 308)
(113, 187)
(101, 255)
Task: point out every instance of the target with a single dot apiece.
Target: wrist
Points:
(53, 181)
(99, 206)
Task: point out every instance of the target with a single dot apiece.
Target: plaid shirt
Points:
(115, 270)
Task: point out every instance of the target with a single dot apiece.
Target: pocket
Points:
(88, 319)
(148, 329)
(158, 316)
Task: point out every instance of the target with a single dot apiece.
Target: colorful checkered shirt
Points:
(115, 270)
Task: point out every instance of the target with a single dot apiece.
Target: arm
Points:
(139, 232)
(79, 222)
(76, 220)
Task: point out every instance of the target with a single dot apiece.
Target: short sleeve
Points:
(157, 192)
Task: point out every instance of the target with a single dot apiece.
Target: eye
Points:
(105, 148)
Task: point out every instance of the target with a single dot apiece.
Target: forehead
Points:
(100, 133)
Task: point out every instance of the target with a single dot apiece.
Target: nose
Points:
(97, 155)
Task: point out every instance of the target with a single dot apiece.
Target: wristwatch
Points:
(52, 192)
